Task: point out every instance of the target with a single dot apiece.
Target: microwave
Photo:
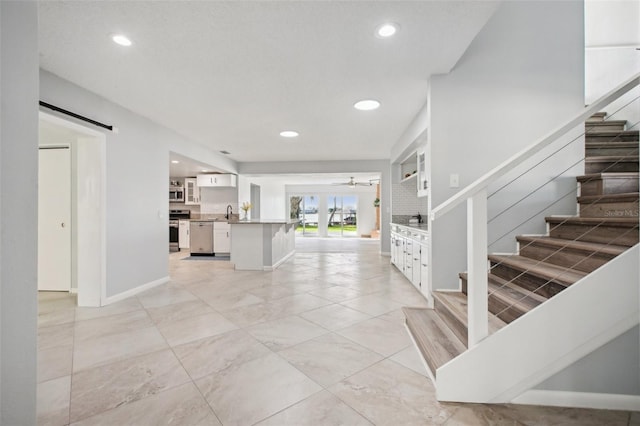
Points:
(176, 194)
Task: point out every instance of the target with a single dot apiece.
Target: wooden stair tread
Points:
(456, 302)
(623, 222)
(598, 116)
(436, 342)
(613, 133)
(543, 270)
(608, 175)
(609, 198)
(611, 249)
(610, 122)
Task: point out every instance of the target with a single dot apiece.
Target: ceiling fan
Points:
(352, 183)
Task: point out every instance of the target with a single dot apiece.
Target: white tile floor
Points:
(319, 341)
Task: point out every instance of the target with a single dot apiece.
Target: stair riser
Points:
(458, 327)
(603, 234)
(603, 126)
(567, 257)
(505, 313)
(609, 186)
(603, 150)
(619, 209)
(610, 166)
(497, 305)
(625, 137)
(528, 281)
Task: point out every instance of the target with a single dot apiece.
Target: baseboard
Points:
(603, 401)
(279, 262)
(73, 291)
(126, 294)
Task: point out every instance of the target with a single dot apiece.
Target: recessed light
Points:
(289, 134)
(175, 161)
(367, 105)
(204, 170)
(386, 30)
(122, 40)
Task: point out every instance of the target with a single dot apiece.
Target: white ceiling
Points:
(232, 75)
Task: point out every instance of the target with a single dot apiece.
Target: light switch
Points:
(454, 180)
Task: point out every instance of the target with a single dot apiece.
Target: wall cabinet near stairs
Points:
(409, 253)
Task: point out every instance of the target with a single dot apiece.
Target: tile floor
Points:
(319, 341)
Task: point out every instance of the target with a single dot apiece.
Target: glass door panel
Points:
(342, 216)
(305, 209)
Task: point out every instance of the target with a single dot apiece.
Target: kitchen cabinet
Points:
(191, 191)
(183, 234)
(409, 253)
(221, 237)
(423, 184)
(217, 180)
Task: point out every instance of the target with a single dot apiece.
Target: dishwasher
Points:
(201, 237)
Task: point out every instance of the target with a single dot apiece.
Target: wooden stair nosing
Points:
(436, 342)
(609, 198)
(609, 249)
(607, 175)
(623, 222)
(612, 159)
(539, 269)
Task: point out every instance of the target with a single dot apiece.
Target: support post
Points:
(477, 281)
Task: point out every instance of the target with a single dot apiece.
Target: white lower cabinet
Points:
(183, 234)
(221, 237)
(409, 253)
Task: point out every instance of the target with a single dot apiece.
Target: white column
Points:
(477, 283)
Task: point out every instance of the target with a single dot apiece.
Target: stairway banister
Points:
(509, 164)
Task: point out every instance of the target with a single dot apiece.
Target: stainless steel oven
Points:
(174, 227)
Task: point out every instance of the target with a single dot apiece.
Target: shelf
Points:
(408, 178)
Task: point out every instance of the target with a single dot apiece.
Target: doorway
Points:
(255, 201)
(342, 216)
(54, 219)
(305, 209)
(87, 203)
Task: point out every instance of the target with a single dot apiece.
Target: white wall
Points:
(18, 211)
(216, 200)
(612, 368)
(521, 77)
(612, 34)
(137, 170)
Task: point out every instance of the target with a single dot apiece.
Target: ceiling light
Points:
(204, 170)
(289, 134)
(386, 30)
(367, 105)
(175, 161)
(122, 40)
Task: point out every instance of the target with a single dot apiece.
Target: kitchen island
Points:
(262, 245)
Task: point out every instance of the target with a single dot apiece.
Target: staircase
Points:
(607, 225)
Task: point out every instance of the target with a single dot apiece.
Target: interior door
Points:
(54, 219)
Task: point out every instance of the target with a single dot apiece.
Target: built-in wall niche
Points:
(409, 168)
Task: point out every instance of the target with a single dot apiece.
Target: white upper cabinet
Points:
(423, 184)
(191, 191)
(219, 180)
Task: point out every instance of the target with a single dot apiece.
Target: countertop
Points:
(417, 226)
(264, 222)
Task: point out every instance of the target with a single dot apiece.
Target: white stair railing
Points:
(475, 195)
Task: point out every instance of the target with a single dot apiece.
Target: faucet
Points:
(418, 217)
(229, 212)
